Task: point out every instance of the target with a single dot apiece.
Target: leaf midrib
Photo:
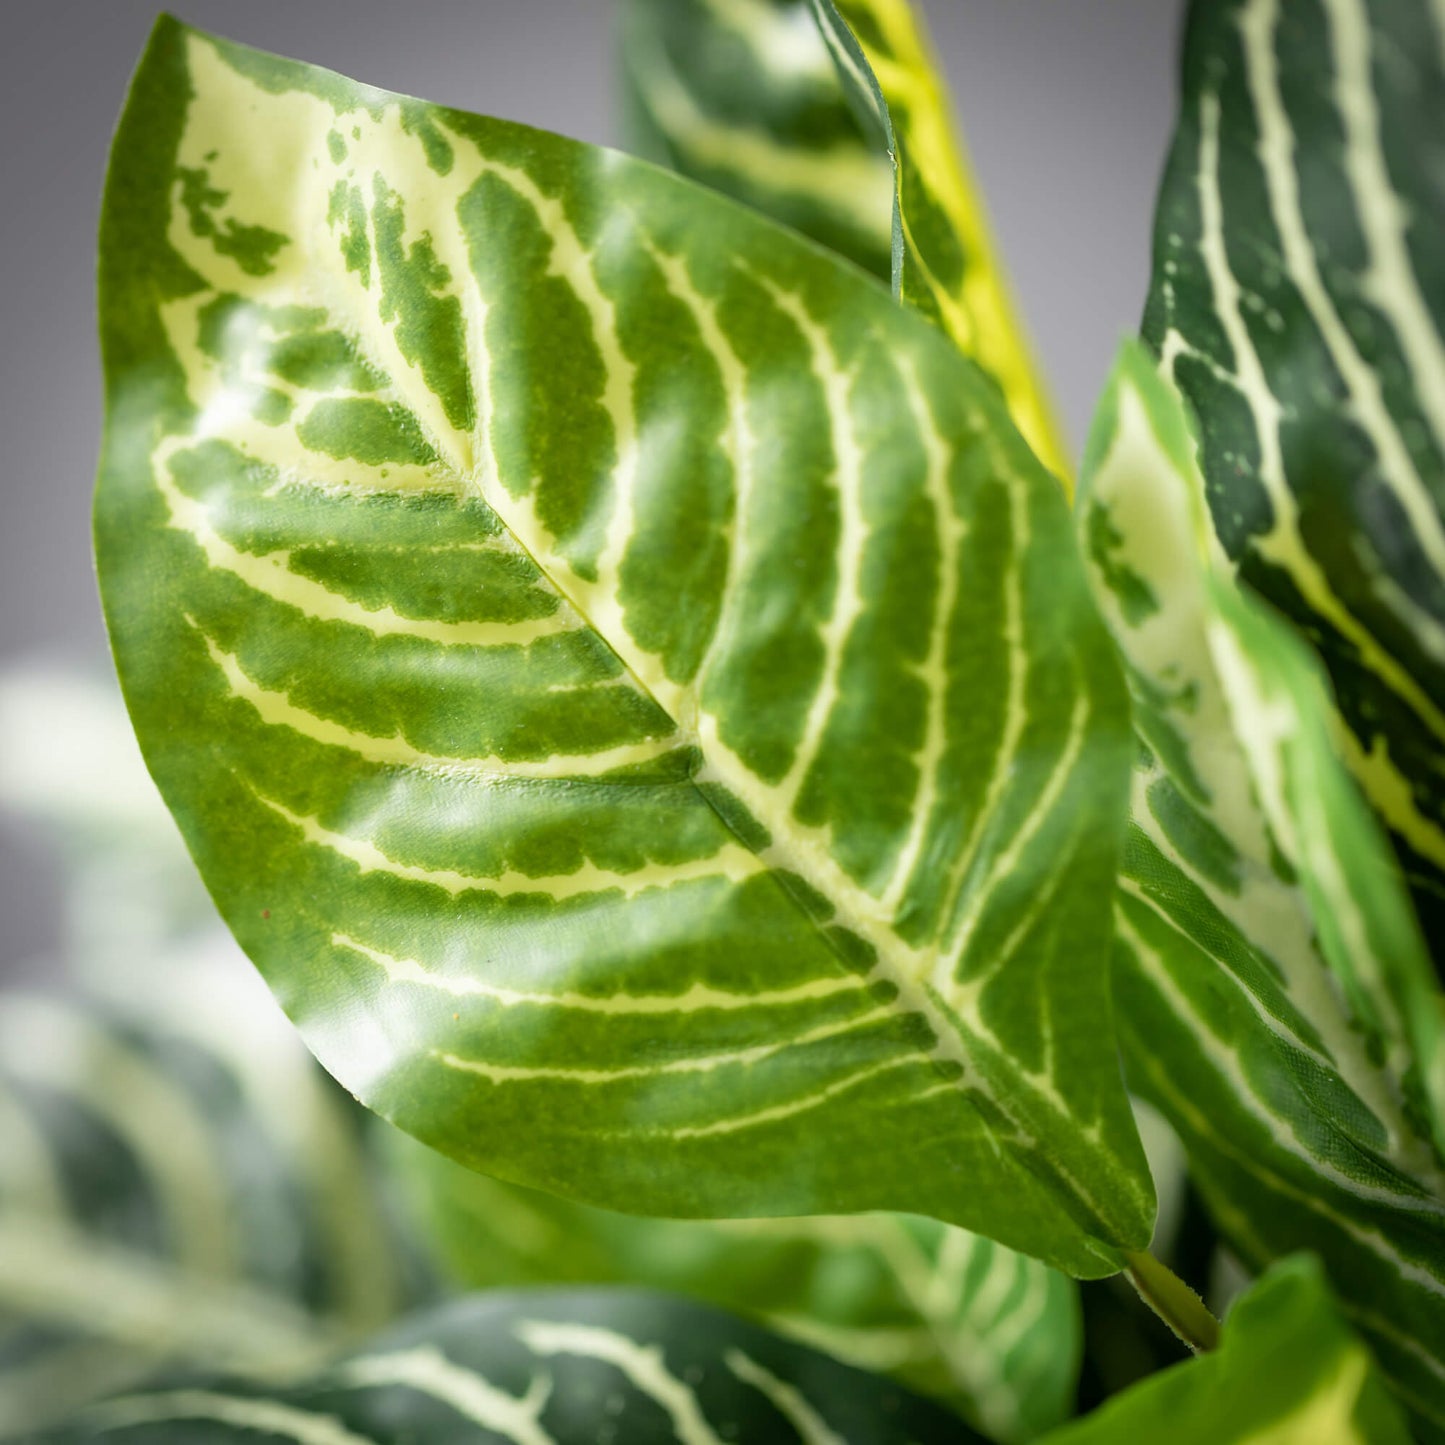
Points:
(812, 866)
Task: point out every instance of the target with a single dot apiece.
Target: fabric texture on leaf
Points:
(1275, 998)
(624, 680)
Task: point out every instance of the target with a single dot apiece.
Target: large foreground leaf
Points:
(623, 679)
(183, 1187)
(1298, 300)
(550, 1368)
(1276, 1001)
(993, 1333)
(859, 152)
(1288, 1372)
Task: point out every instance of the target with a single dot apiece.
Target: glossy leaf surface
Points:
(1276, 1001)
(551, 1368)
(623, 679)
(1288, 1371)
(1297, 300)
(952, 1315)
(835, 120)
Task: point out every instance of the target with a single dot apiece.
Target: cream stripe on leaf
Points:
(138, 1214)
(552, 1367)
(1275, 996)
(545, 1367)
(834, 120)
(222, 1413)
(952, 1315)
(1298, 301)
(944, 262)
(666, 615)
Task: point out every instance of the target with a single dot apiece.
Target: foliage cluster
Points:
(634, 671)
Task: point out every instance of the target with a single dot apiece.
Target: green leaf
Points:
(1297, 301)
(742, 96)
(1275, 998)
(831, 119)
(994, 1334)
(584, 1367)
(1288, 1371)
(944, 261)
(183, 1187)
(624, 680)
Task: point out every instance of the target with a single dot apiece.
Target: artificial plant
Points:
(635, 684)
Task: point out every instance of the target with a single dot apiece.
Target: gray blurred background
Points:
(1067, 106)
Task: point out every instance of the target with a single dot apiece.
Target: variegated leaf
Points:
(178, 1182)
(741, 95)
(994, 1334)
(1289, 1371)
(943, 255)
(1297, 300)
(585, 1367)
(1276, 1001)
(623, 679)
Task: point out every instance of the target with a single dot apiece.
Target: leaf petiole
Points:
(1172, 1300)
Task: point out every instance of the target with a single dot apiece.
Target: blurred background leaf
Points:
(550, 1367)
(991, 1332)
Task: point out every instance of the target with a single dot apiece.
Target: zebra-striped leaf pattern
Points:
(1275, 998)
(944, 261)
(177, 1184)
(548, 1367)
(834, 119)
(950, 1314)
(1288, 1371)
(1297, 300)
(624, 680)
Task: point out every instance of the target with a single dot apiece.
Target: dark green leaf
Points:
(182, 1186)
(600, 1367)
(1298, 297)
(948, 1313)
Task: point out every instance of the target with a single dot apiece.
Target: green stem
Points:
(1173, 1301)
